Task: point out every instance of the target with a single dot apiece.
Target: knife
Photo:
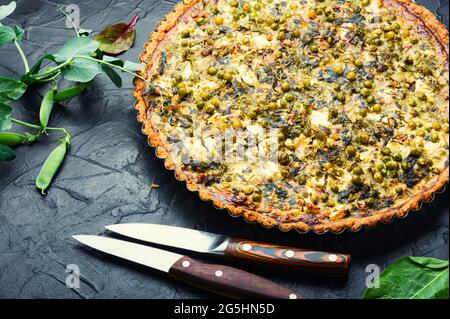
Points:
(223, 280)
(290, 258)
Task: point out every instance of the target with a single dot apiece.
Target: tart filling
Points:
(353, 94)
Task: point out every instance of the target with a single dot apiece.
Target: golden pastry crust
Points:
(420, 15)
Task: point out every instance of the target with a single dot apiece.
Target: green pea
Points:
(409, 61)
(314, 49)
(359, 63)
(289, 97)
(358, 170)
(351, 76)
(377, 108)
(301, 179)
(365, 92)
(378, 177)
(296, 34)
(415, 152)
(285, 86)
(368, 84)
(339, 70)
(392, 166)
(365, 3)
(357, 180)
(364, 138)
(423, 162)
(234, 4)
(185, 33)
(249, 190)
(52, 165)
(434, 137)
(228, 76)
(351, 151)
(212, 70)
(256, 197)
(386, 151)
(397, 157)
(335, 189)
(399, 190)
(341, 97)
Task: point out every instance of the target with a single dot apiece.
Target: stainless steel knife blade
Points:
(184, 238)
(151, 257)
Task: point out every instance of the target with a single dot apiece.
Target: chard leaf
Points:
(5, 116)
(81, 70)
(7, 10)
(6, 153)
(413, 278)
(117, 38)
(11, 89)
(80, 46)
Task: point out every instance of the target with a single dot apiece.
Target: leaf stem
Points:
(50, 71)
(22, 55)
(113, 66)
(37, 127)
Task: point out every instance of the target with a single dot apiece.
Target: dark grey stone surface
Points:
(106, 178)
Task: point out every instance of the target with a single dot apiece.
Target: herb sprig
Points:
(79, 60)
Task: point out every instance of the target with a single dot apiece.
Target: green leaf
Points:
(7, 10)
(70, 92)
(35, 69)
(112, 74)
(113, 60)
(6, 153)
(7, 35)
(133, 66)
(413, 278)
(81, 46)
(20, 33)
(117, 38)
(46, 109)
(5, 116)
(81, 70)
(11, 89)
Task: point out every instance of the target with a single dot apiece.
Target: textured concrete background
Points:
(106, 177)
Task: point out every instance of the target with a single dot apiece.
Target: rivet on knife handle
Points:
(228, 281)
(289, 258)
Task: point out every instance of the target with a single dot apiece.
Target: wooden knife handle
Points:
(289, 258)
(228, 281)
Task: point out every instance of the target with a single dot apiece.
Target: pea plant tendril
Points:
(79, 60)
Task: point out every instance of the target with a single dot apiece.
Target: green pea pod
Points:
(14, 139)
(70, 92)
(11, 139)
(51, 166)
(46, 109)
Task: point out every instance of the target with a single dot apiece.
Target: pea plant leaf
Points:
(413, 278)
(6, 153)
(5, 116)
(11, 89)
(133, 66)
(117, 38)
(7, 10)
(20, 33)
(7, 35)
(80, 46)
(81, 70)
(112, 74)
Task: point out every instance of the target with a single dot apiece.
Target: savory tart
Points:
(353, 93)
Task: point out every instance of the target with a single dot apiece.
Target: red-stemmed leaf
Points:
(117, 38)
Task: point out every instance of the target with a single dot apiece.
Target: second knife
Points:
(289, 258)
